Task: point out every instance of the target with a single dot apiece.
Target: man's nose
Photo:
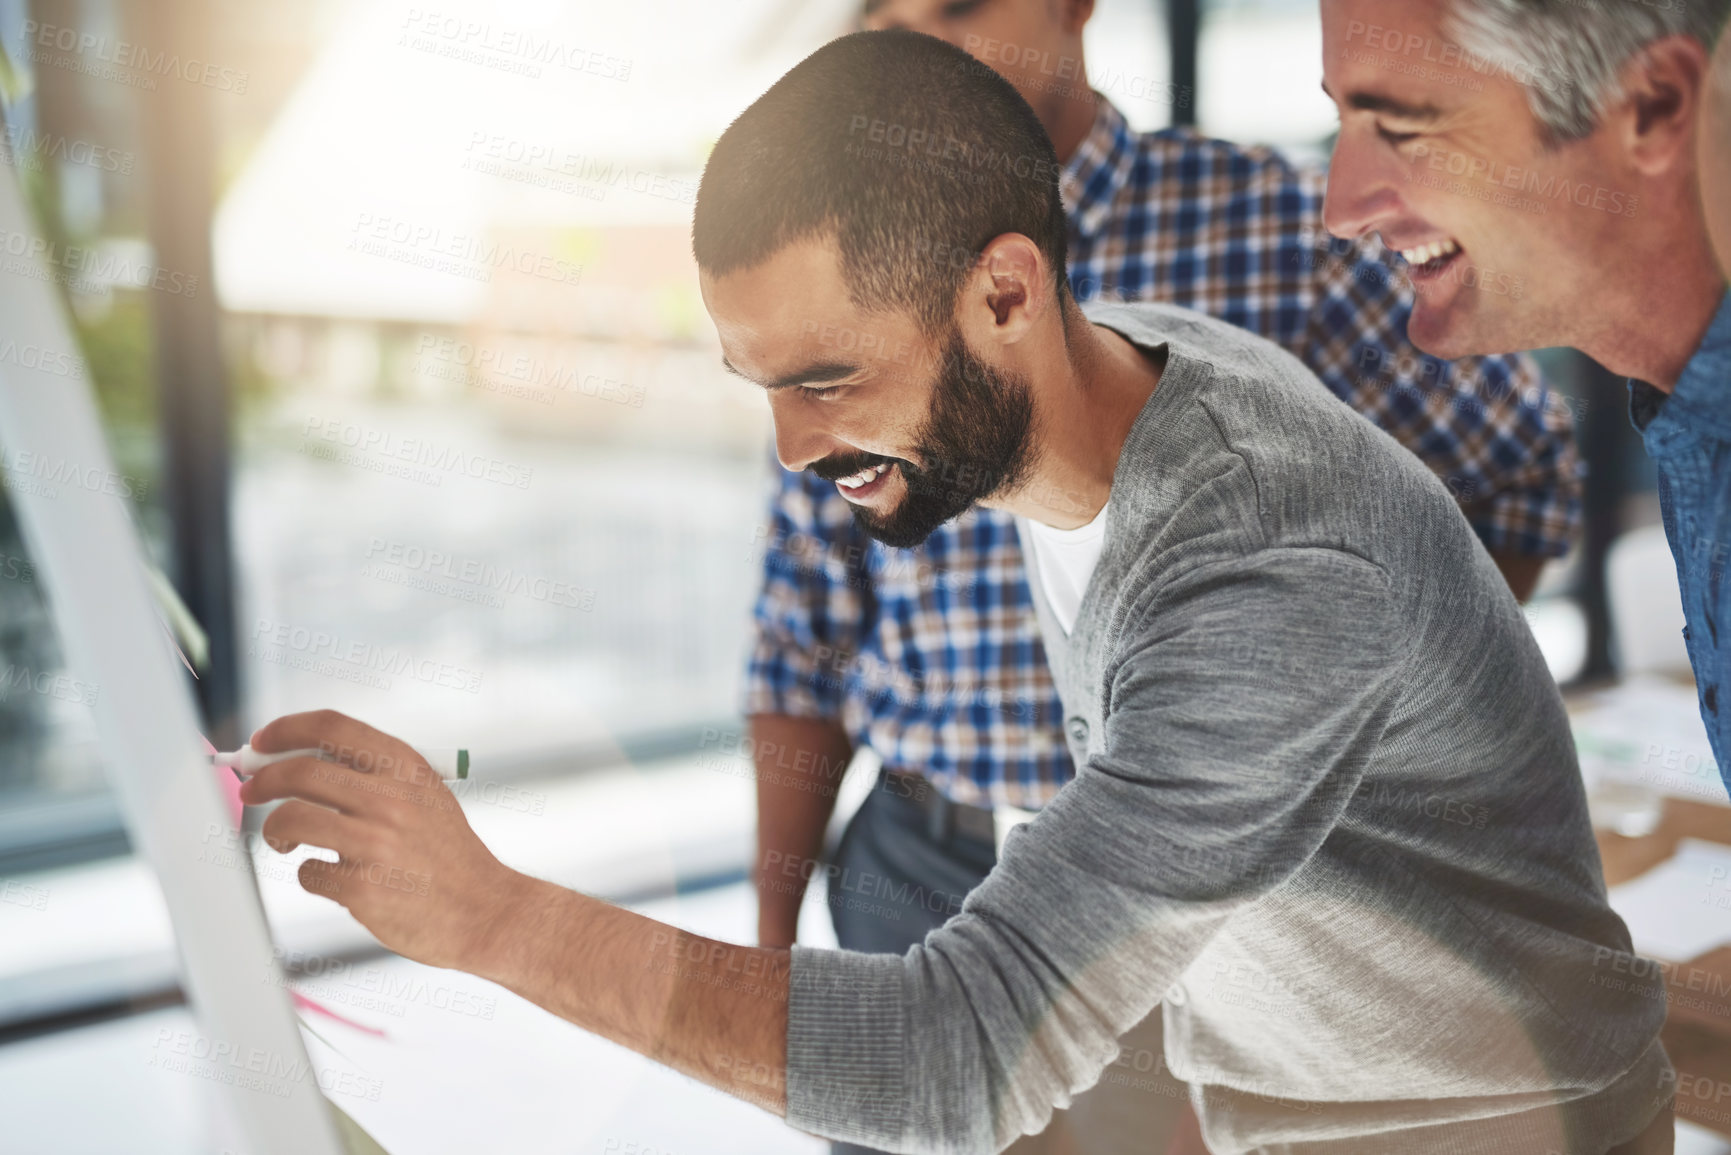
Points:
(799, 439)
(1363, 187)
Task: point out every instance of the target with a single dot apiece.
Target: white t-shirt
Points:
(1066, 559)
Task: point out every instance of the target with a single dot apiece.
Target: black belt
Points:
(945, 817)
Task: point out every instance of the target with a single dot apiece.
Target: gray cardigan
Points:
(1327, 812)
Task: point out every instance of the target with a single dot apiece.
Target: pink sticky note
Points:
(307, 1004)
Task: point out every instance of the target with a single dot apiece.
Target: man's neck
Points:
(1650, 319)
(1084, 419)
(1069, 119)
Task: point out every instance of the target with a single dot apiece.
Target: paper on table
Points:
(1648, 732)
(1681, 908)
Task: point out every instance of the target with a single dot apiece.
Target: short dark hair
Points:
(909, 152)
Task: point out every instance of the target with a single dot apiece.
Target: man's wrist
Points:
(777, 929)
(777, 912)
(519, 923)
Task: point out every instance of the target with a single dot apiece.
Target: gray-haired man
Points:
(1557, 139)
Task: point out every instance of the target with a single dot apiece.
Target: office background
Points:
(398, 343)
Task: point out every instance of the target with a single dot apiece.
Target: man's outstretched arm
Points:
(416, 875)
(1223, 779)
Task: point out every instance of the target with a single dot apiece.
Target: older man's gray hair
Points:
(1568, 52)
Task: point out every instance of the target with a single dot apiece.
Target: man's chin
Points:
(896, 530)
(1445, 331)
(911, 520)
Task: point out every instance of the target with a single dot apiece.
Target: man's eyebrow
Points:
(810, 375)
(1374, 102)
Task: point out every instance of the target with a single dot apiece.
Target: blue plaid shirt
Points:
(932, 656)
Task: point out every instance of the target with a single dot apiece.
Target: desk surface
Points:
(467, 1067)
(1624, 858)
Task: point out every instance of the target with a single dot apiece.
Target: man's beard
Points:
(976, 443)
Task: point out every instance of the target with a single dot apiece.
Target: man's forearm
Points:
(800, 764)
(711, 1010)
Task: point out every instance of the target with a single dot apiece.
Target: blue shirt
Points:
(932, 656)
(1688, 435)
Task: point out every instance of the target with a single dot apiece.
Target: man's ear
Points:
(1662, 89)
(1006, 291)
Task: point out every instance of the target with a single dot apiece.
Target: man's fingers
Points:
(323, 878)
(329, 784)
(303, 824)
(340, 738)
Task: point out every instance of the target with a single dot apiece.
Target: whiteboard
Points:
(82, 540)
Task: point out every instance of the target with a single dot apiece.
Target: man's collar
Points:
(1099, 169)
(1702, 396)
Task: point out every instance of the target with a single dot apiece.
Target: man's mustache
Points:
(840, 465)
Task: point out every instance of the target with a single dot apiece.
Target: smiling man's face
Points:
(912, 431)
(1441, 154)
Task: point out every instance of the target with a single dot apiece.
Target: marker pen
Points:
(449, 764)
